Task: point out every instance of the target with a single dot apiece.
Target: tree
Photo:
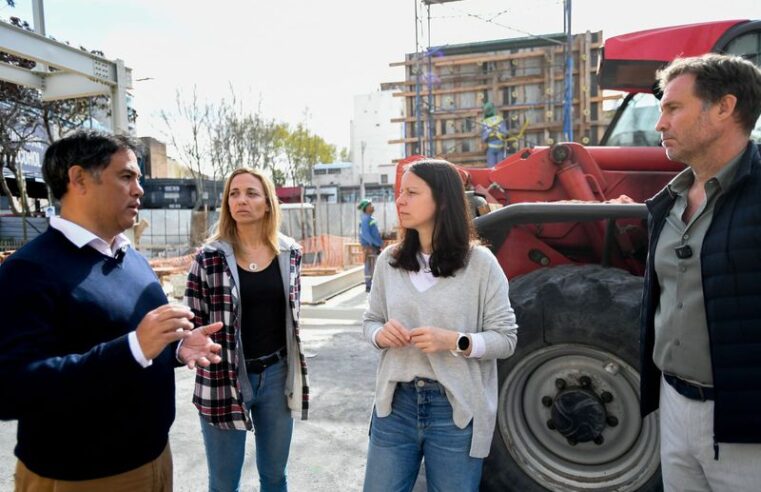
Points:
(18, 124)
(239, 138)
(187, 131)
(302, 151)
(345, 155)
(214, 138)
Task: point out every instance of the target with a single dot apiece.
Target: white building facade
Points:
(371, 130)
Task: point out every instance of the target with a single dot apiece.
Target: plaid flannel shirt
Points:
(212, 295)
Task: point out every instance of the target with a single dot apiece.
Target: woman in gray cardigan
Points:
(440, 315)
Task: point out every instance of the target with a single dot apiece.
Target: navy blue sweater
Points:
(85, 408)
(731, 269)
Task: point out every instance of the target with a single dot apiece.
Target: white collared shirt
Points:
(81, 237)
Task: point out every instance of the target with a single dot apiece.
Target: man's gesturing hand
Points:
(162, 326)
(198, 347)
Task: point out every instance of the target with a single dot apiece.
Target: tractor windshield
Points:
(634, 126)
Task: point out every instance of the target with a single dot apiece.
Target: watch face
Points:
(463, 342)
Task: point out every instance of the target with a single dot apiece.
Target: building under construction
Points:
(445, 89)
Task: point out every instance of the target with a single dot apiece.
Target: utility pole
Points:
(419, 129)
(418, 113)
(431, 103)
(568, 94)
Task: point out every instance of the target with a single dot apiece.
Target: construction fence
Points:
(328, 232)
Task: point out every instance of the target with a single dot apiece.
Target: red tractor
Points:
(569, 397)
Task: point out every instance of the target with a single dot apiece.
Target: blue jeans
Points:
(494, 156)
(273, 427)
(420, 427)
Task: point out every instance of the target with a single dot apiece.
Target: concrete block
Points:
(315, 290)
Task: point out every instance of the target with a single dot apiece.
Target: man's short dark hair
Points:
(717, 76)
(90, 149)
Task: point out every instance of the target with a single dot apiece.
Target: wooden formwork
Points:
(524, 78)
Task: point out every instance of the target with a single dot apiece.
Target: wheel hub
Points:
(579, 415)
(569, 421)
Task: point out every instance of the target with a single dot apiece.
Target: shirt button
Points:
(679, 305)
(682, 268)
(677, 342)
(686, 237)
(420, 383)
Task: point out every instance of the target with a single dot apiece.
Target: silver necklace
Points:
(252, 266)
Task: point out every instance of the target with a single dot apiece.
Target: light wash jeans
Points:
(420, 427)
(687, 454)
(494, 156)
(273, 427)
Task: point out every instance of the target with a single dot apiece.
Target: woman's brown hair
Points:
(453, 232)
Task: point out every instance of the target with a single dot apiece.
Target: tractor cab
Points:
(630, 61)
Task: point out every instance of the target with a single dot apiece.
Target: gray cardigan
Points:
(474, 300)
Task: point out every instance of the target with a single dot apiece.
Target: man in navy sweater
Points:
(88, 343)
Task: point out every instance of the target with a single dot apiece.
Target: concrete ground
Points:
(328, 451)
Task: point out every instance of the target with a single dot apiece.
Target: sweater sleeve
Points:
(499, 328)
(37, 369)
(376, 314)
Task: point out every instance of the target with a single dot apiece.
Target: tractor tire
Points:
(577, 359)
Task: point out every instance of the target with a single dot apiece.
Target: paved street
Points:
(328, 451)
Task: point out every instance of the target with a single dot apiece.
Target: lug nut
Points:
(551, 424)
(599, 440)
(585, 381)
(612, 368)
(560, 383)
(606, 397)
(572, 442)
(547, 401)
(612, 421)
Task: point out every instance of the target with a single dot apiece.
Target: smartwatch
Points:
(463, 343)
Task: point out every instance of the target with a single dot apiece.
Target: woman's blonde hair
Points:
(225, 229)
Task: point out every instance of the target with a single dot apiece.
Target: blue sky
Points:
(316, 55)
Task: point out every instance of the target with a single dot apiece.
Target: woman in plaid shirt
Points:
(248, 277)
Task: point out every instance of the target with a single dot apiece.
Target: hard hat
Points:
(364, 203)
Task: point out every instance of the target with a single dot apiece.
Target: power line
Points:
(504, 26)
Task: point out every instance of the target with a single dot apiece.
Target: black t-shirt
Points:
(263, 320)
